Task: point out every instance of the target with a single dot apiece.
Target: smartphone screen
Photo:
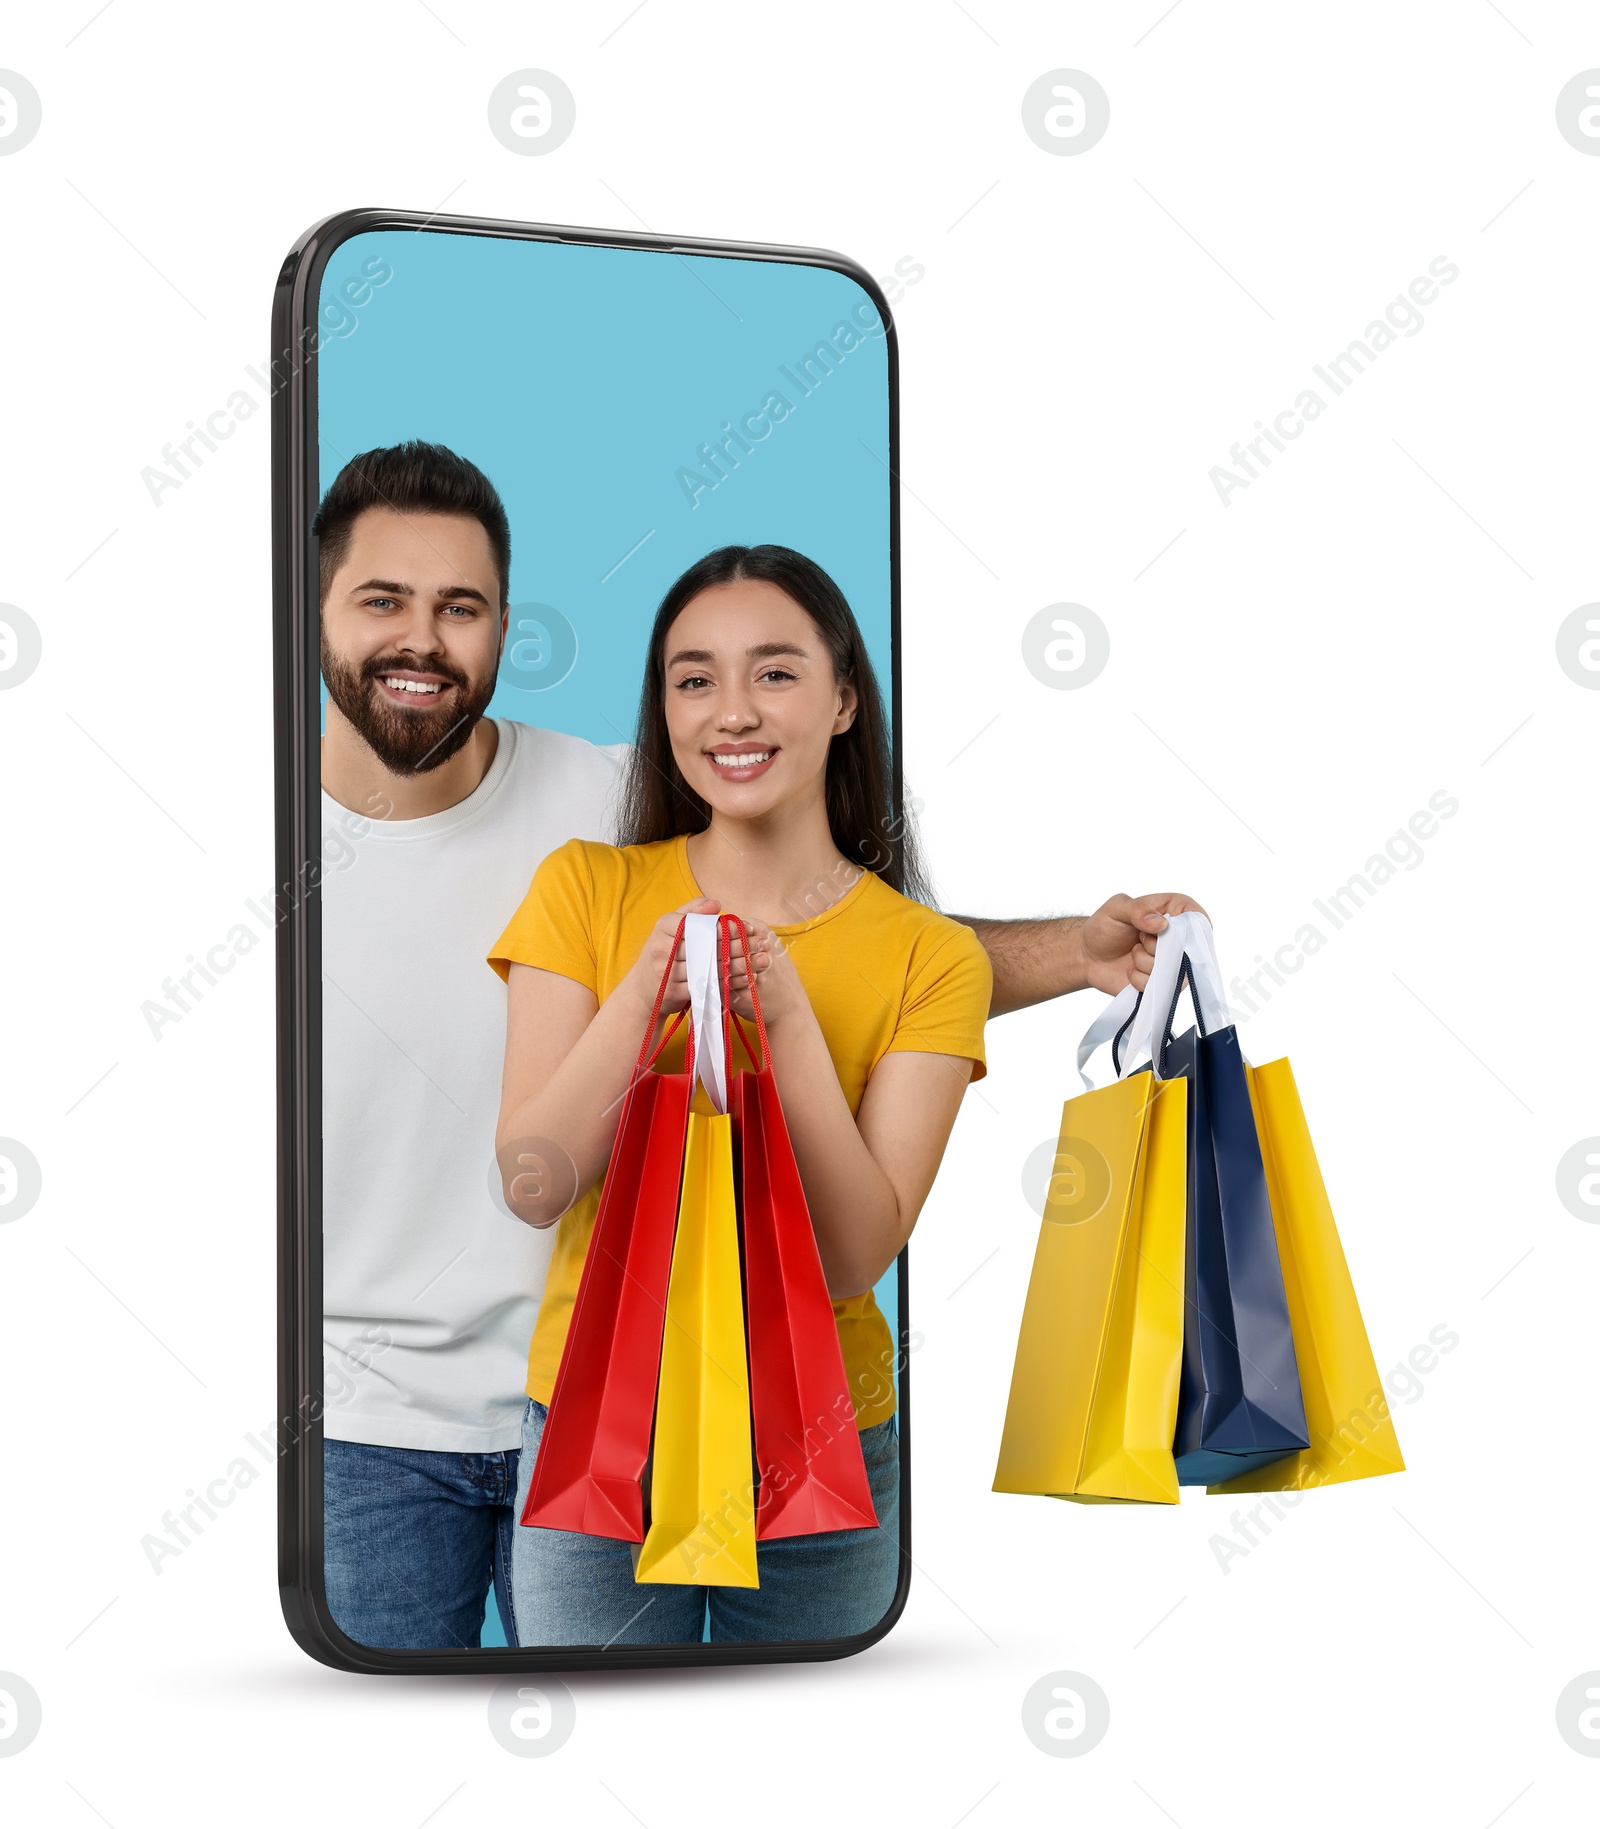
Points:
(500, 452)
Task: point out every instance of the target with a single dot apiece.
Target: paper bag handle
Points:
(703, 944)
(1138, 1026)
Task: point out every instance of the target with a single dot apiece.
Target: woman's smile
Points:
(742, 761)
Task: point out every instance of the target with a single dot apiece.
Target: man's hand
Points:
(1119, 939)
(1110, 949)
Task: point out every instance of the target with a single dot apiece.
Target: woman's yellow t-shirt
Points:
(884, 975)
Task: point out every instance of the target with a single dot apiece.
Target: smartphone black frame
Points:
(297, 718)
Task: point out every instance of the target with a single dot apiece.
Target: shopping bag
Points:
(810, 1472)
(702, 1494)
(1094, 1388)
(1239, 1400)
(702, 1486)
(1352, 1433)
(588, 1472)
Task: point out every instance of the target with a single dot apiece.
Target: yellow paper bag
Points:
(1094, 1390)
(1352, 1434)
(702, 1491)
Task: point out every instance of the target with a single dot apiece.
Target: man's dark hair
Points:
(413, 478)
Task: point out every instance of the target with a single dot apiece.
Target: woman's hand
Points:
(779, 989)
(644, 975)
(777, 982)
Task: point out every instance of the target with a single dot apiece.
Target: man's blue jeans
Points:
(575, 1590)
(413, 1541)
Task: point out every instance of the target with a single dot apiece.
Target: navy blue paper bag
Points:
(1239, 1403)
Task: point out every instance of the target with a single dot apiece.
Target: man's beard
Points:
(406, 742)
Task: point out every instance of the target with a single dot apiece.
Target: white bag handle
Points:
(1186, 937)
(705, 1006)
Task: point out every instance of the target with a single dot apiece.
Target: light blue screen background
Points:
(580, 380)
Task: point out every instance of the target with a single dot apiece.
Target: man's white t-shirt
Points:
(430, 1286)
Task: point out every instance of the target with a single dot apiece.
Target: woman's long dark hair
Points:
(657, 802)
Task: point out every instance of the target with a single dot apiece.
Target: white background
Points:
(1372, 620)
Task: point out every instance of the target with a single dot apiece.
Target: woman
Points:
(759, 785)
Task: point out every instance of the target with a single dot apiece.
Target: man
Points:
(430, 1286)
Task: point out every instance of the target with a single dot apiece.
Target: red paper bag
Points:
(809, 1469)
(590, 1466)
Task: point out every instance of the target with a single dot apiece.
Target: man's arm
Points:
(1113, 947)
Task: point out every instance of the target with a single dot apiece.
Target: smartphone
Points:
(498, 449)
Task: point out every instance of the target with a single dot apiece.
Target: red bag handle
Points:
(726, 925)
(648, 1055)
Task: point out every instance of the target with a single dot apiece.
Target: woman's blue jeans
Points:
(569, 1589)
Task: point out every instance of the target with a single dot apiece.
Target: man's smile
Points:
(401, 686)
